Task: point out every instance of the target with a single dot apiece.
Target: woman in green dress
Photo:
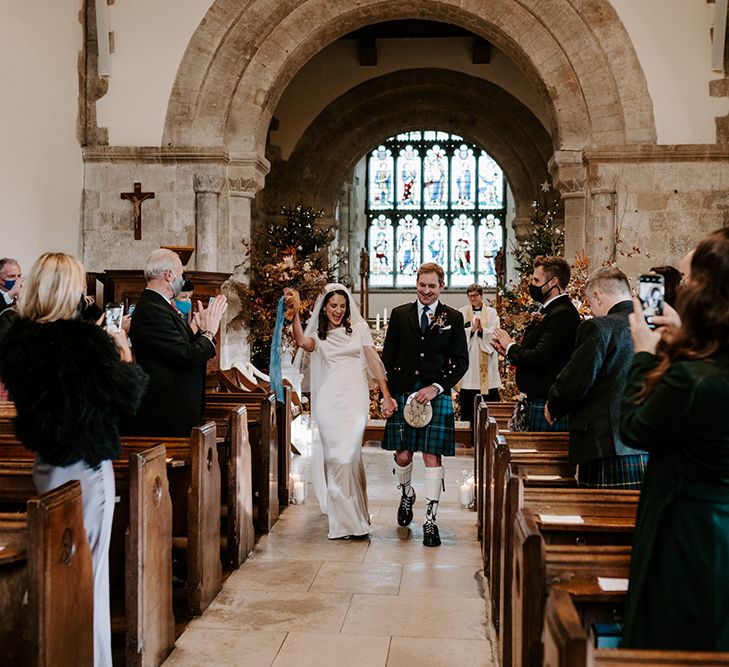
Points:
(676, 406)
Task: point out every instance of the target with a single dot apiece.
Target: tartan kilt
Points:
(537, 421)
(438, 437)
(613, 472)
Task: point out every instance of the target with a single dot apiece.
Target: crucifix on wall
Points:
(137, 197)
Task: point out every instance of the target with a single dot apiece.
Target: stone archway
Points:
(348, 127)
(242, 57)
(576, 53)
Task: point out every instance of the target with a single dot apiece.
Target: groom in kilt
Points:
(425, 353)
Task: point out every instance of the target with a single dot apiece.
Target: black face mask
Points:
(535, 291)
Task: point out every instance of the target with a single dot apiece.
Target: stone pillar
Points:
(569, 175)
(207, 191)
(601, 233)
(246, 176)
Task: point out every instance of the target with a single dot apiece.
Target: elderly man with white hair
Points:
(173, 353)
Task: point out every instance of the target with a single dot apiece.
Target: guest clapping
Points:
(71, 386)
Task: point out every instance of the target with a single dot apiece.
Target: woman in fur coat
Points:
(72, 383)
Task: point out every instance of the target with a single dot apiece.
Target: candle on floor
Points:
(377, 322)
(299, 492)
(465, 494)
(384, 318)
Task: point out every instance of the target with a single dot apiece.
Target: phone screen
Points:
(114, 315)
(650, 292)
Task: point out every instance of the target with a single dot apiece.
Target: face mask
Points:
(535, 291)
(9, 284)
(183, 306)
(176, 287)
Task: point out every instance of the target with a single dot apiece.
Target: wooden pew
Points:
(45, 556)
(140, 560)
(542, 557)
(234, 457)
(263, 439)
(540, 468)
(567, 644)
(517, 494)
(501, 411)
(195, 492)
(484, 431)
(538, 454)
(232, 381)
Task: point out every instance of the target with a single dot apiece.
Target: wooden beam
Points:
(481, 51)
(368, 50)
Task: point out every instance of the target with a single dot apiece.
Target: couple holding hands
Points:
(424, 355)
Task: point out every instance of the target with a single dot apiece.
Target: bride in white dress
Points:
(341, 357)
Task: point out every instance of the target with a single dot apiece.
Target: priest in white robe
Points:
(482, 377)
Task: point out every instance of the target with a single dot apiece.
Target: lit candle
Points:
(377, 322)
(384, 318)
(465, 494)
(299, 492)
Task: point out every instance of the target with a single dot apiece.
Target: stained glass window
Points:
(381, 195)
(447, 198)
(408, 178)
(490, 241)
(462, 251)
(436, 241)
(381, 252)
(463, 178)
(490, 183)
(435, 177)
(408, 251)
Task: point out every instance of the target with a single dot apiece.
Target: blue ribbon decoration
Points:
(275, 365)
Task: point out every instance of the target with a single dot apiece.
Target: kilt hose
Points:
(537, 421)
(438, 437)
(613, 472)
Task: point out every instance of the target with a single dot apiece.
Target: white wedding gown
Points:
(340, 411)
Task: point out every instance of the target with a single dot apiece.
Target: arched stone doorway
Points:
(581, 62)
(384, 106)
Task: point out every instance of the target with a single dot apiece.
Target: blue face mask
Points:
(183, 306)
(9, 284)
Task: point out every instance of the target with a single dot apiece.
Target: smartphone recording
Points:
(651, 290)
(114, 315)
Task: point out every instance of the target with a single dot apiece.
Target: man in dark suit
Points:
(547, 344)
(590, 388)
(425, 354)
(173, 354)
(10, 275)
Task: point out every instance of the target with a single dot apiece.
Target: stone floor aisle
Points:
(304, 600)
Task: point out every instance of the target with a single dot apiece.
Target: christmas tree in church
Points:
(289, 252)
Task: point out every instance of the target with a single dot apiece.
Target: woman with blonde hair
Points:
(71, 383)
(675, 407)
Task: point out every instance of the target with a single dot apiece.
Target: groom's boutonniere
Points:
(440, 322)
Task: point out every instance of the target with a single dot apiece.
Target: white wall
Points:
(673, 43)
(150, 38)
(41, 171)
